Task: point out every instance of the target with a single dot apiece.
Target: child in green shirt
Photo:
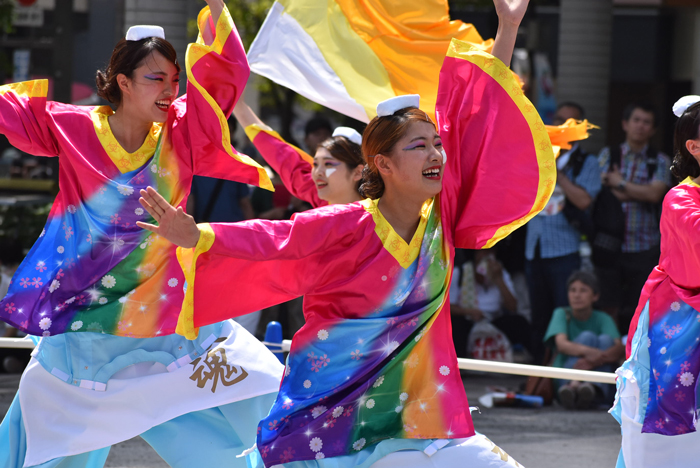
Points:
(585, 339)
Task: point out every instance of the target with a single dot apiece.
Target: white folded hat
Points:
(349, 133)
(683, 103)
(136, 33)
(391, 105)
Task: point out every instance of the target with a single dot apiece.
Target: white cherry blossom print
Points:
(377, 383)
(71, 300)
(320, 456)
(94, 327)
(72, 209)
(77, 325)
(322, 334)
(403, 396)
(687, 379)
(316, 444)
(55, 284)
(46, 333)
(359, 444)
(138, 211)
(675, 306)
(370, 403)
(663, 350)
(318, 411)
(337, 411)
(45, 323)
(307, 383)
(444, 370)
(103, 300)
(123, 299)
(154, 168)
(173, 282)
(108, 281)
(398, 409)
(125, 190)
(392, 346)
(60, 249)
(287, 371)
(384, 278)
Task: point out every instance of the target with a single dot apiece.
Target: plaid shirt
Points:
(641, 219)
(554, 233)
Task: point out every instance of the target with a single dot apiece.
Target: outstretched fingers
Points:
(147, 226)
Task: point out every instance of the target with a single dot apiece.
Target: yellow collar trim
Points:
(689, 181)
(125, 162)
(404, 253)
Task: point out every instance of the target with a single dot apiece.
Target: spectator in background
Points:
(553, 239)
(482, 290)
(586, 339)
(639, 177)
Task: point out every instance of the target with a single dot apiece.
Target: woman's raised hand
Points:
(510, 14)
(511, 11)
(174, 224)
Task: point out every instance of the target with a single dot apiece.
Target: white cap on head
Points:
(349, 133)
(136, 33)
(683, 103)
(391, 105)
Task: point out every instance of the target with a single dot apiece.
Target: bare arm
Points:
(510, 14)
(215, 7)
(650, 193)
(245, 115)
(565, 346)
(574, 193)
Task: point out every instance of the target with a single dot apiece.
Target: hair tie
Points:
(684, 103)
(139, 32)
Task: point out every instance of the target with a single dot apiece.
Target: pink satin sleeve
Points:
(292, 164)
(24, 115)
(255, 264)
(500, 168)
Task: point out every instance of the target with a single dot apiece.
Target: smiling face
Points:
(150, 91)
(415, 166)
(335, 181)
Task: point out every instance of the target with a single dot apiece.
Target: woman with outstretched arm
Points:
(372, 378)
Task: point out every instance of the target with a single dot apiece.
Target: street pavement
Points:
(544, 438)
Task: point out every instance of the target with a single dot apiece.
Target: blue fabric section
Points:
(639, 364)
(554, 233)
(212, 437)
(13, 446)
(96, 357)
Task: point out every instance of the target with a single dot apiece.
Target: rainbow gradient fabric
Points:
(93, 269)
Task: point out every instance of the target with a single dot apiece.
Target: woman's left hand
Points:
(511, 11)
(174, 224)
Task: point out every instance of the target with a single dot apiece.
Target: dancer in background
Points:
(104, 294)
(656, 402)
(372, 378)
(330, 177)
